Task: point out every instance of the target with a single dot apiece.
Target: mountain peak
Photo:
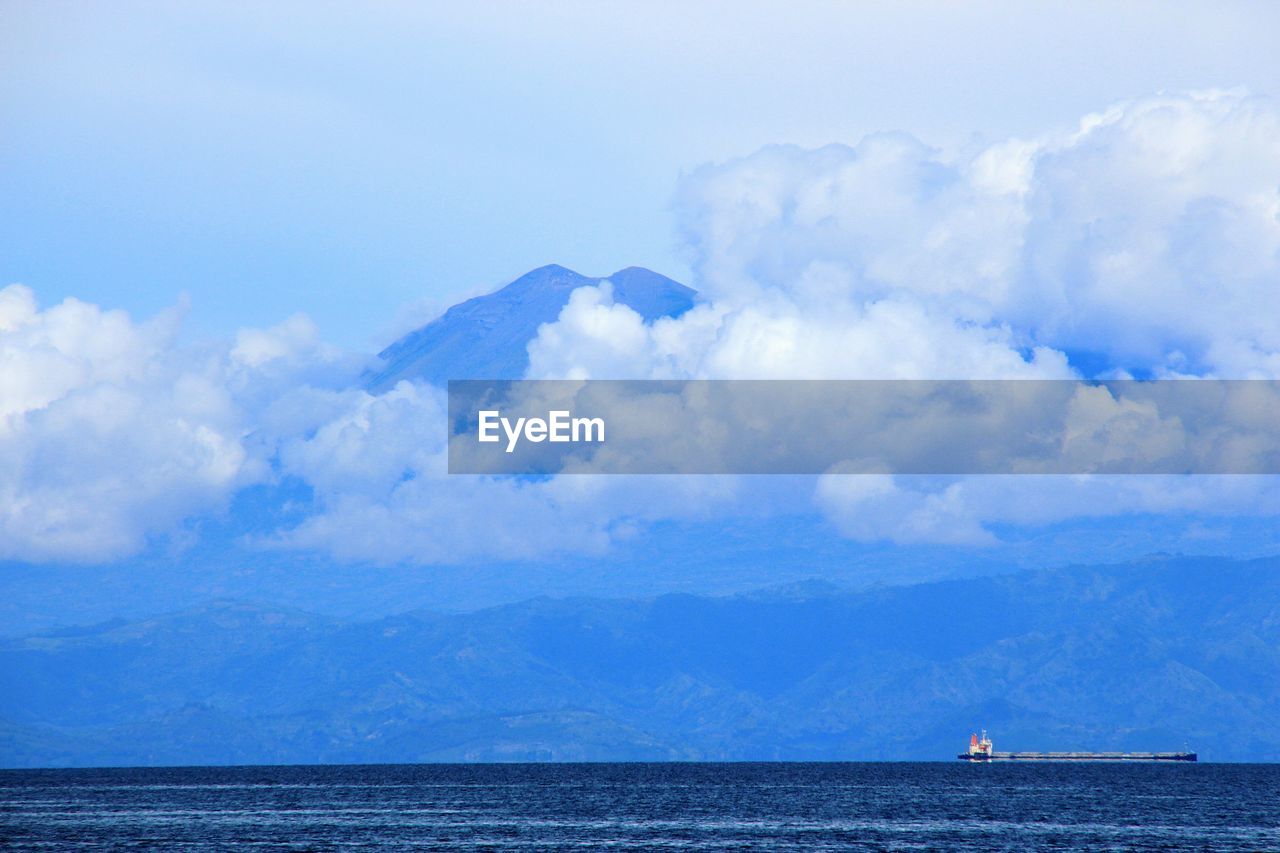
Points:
(487, 337)
(550, 269)
(638, 273)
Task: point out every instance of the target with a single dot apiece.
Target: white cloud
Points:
(594, 330)
(1154, 236)
(112, 432)
(294, 342)
(875, 507)
(909, 510)
(104, 436)
(775, 337)
(1150, 234)
(379, 468)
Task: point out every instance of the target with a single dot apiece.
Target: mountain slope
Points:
(1140, 656)
(486, 337)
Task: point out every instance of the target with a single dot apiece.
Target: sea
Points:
(636, 806)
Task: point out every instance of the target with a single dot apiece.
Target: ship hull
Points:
(1079, 756)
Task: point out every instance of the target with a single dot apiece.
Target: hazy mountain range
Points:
(1158, 654)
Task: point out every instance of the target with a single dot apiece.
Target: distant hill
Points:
(1150, 655)
(486, 337)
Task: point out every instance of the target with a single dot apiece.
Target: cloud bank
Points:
(1149, 236)
(114, 434)
(379, 470)
(104, 437)
(1145, 241)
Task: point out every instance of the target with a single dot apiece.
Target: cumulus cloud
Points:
(1154, 236)
(1148, 236)
(104, 438)
(774, 337)
(907, 510)
(112, 432)
(379, 469)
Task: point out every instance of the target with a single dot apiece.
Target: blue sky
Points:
(369, 165)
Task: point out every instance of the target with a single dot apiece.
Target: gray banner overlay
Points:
(949, 427)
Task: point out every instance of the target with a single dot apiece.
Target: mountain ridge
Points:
(1142, 655)
(486, 337)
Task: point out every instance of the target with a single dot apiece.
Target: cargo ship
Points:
(980, 749)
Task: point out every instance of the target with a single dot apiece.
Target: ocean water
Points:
(894, 806)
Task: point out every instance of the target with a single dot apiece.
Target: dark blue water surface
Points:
(736, 806)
